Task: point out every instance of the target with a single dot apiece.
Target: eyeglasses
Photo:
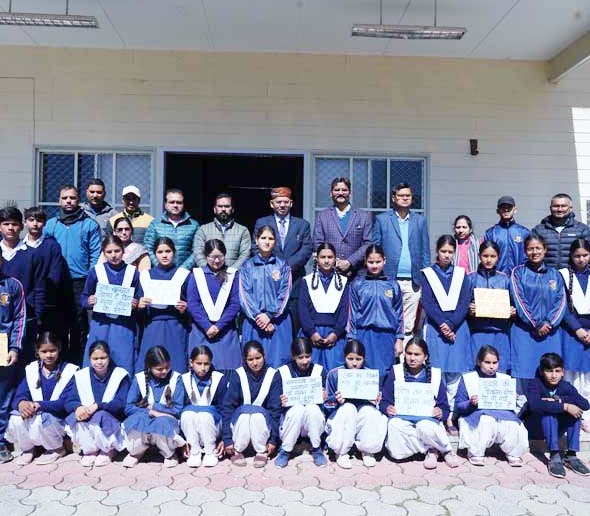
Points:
(216, 258)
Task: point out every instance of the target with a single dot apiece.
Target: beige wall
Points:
(104, 98)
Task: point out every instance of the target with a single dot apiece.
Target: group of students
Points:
(343, 323)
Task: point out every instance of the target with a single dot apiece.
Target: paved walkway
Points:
(301, 489)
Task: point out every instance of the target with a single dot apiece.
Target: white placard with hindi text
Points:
(413, 399)
(113, 299)
(305, 390)
(358, 384)
(497, 393)
(162, 292)
(492, 302)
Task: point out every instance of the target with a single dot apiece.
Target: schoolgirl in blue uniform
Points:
(13, 320)
(485, 330)
(410, 435)
(154, 403)
(576, 332)
(353, 421)
(120, 331)
(323, 309)
(252, 408)
(560, 407)
(96, 406)
(482, 428)
(213, 303)
(265, 285)
(446, 294)
(376, 313)
(200, 420)
(165, 325)
(38, 405)
(301, 420)
(539, 296)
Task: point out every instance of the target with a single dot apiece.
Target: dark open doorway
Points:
(247, 177)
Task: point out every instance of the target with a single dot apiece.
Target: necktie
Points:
(282, 231)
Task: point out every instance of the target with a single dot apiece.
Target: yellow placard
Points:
(492, 302)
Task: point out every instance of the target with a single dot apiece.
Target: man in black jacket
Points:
(559, 230)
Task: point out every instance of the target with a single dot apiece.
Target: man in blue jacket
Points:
(79, 238)
(403, 234)
(176, 224)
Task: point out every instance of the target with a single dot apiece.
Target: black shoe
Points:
(5, 455)
(556, 467)
(576, 465)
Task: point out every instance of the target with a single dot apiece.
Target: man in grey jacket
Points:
(95, 206)
(235, 236)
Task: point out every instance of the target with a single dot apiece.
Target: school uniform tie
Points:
(282, 231)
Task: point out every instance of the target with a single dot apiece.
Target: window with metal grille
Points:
(116, 169)
(372, 179)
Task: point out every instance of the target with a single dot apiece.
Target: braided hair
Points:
(44, 338)
(315, 280)
(216, 244)
(578, 243)
(201, 349)
(421, 343)
(155, 356)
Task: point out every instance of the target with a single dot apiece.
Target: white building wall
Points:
(303, 103)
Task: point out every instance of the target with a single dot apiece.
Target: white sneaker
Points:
(103, 459)
(87, 461)
(369, 460)
(210, 460)
(171, 462)
(130, 461)
(50, 456)
(194, 461)
(344, 461)
(476, 460)
(26, 457)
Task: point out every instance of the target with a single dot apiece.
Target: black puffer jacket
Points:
(558, 244)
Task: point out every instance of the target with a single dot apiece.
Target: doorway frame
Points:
(307, 201)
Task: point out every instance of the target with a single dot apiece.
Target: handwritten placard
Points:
(3, 349)
(413, 399)
(497, 393)
(359, 384)
(113, 299)
(162, 292)
(306, 390)
(492, 302)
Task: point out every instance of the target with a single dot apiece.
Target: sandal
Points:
(260, 460)
(238, 459)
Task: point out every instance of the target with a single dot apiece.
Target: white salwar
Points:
(364, 427)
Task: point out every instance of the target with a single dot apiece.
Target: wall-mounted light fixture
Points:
(474, 151)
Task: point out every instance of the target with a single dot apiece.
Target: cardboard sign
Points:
(359, 384)
(492, 302)
(3, 349)
(162, 292)
(306, 390)
(497, 394)
(413, 399)
(113, 299)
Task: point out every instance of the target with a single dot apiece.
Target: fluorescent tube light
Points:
(379, 30)
(48, 20)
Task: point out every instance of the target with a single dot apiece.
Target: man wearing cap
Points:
(508, 235)
(293, 239)
(139, 219)
(176, 224)
(403, 234)
(95, 206)
(235, 237)
(560, 229)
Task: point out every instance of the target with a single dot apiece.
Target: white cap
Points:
(131, 189)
